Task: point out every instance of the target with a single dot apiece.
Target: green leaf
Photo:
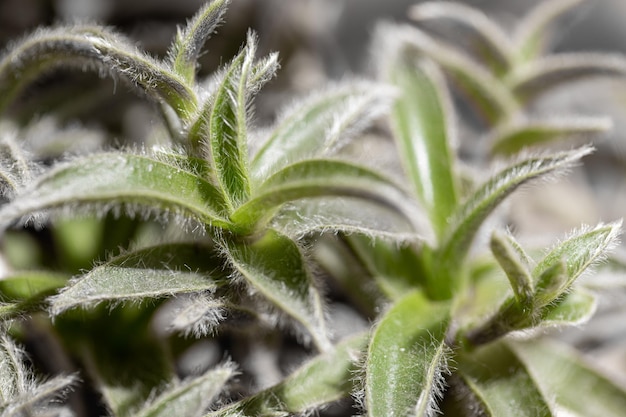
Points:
(319, 124)
(516, 269)
(530, 37)
(15, 168)
(225, 125)
(584, 248)
(273, 266)
(487, 93)
(512, 139)
(184, 51)
(112, 180)
(573, 385)
(188, 398)
(493, 44)
(320, 178)
(421, 119)
(26, 285)
(154, 272)
(477, 208)
(540, 76)
(90, 46)
(496, 384)
(574, 308)
(320, 381)
(406, 359)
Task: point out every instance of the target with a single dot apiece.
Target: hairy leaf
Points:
(153, 272)
(184, 51)
(512, 139)
(115, 180)
(406, 359)
(574, 308)
(518, 273)
(556, 369)
(320, 381)
(273, 266)
(319, 124)
(421, 121)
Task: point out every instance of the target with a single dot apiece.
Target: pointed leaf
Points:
(185, 49)
(496, 383)
(494, 46)
(556, 369)
(320, 381)
(153, 272)
(406, 359)
(319, 124)
(478, 207)
(535, 78)
(515, 268)
(320, 178)
(273, 266)
(190, 397)
(115, 179)
(421, 119)
(512, 139)
(27, 285)
(530, 35)
(575, 308)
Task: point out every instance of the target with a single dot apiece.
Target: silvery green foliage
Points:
(245, 220)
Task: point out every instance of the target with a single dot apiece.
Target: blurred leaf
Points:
(184, 51)
(512, 139)
(530, 36)
(573, 386)
(322, 380)
(406, 360)
(497, 384)
(493, 44)
(575, 308)
(188, 398)
(318, 124)
(421, 121)
(26, 285)
(106, 181)
(154, 272)
(273, 266)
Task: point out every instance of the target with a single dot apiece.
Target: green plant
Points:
(240, 233)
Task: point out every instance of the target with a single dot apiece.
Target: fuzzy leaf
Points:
(541, 75)
(273, 266)
(515, 268)
(530, 35)
(115, 180)
(490, 96)
(575, 308)
(90, 46)
(479, 205)
(583, 249)
(318, 125)
(512, 139)
(496, 384)
(189, 398)
(421, 121)
(185, 49)
(15, 167)
(153, 272)
(556, 370)
(320, 381)
(317, 178)
(493, 44)
(406, 359)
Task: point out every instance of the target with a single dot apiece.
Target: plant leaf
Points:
(190, 397)
(530, 37)
(184, 51)
(28, 285)
(317, 178)
(115, 180)
(493, 44)
(575, 308)
(478, 207)
(533, 79)
(495, 383)
(512, 139)
(406, 359)
(318, 124)
(515, 268)
(273, 266)
(556, 369)
(421, 120)
(154, 272)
